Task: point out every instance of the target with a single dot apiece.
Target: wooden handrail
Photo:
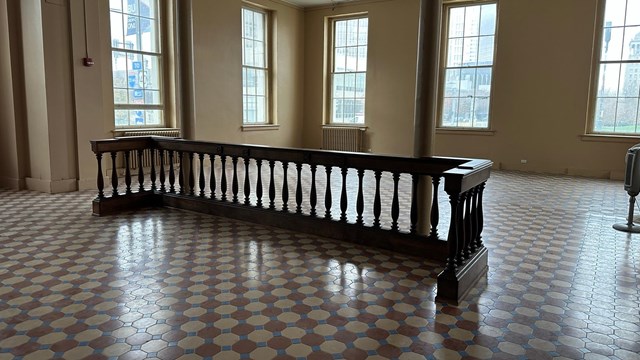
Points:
(463, 254)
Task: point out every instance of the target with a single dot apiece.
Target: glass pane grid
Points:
(468, 71)
(348, 78)
(136, 61)
(618, 85)
(255, 71)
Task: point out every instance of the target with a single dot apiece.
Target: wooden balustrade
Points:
(357, 215)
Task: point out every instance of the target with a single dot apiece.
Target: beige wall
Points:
(541, 93)
(391, 72)
(218, 73)
(539, 106)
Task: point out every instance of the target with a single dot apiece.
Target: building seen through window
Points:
(618, 82)
(469, 46)
(136, 62)
(255, 67)
(349, 70)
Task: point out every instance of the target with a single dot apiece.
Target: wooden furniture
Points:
(184, 178)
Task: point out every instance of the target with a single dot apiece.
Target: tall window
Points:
(349, 70)
(136, 60)
(618, 88)
(470, 44)
(255, 67)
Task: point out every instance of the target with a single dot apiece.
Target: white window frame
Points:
(267, 68)
(447, 6)
(600, 37)
(160, 54)
(331, 49)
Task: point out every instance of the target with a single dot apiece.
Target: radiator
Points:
(146, 154)
(343, 138)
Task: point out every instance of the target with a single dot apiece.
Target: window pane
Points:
(258, 25)
(452, 83)
(454, 54)
(608, 80)
(456, 22)
(149, 35)
(362, 58)
(605, 114)
(630, 82)
(450, 112)
(261, 82)
(131, 32)
(115, 5)
(152, 97)
(631, 42)
(341, 33)
(615, 12)
(259, 54)
(340, 60)
(338, 86)
(488, 19)
(153, 117)
(148, 8)
(626, 114)
(120, 96)
(363, 31)
(117, 38)
(132, 7)
(612, 43)
(361, 85)
(119, 69)
(472, 21)
(136, 117)
(261, 109)
(470, 52)
(121, 117)
(352, 32)
(633, 12)
(152, 72)
(483, 82)
(467, 83)
(485, 51)
(465, 112)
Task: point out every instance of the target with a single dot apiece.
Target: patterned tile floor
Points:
(167, 284)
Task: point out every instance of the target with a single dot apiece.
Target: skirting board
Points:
(52, 186)
(11, 183)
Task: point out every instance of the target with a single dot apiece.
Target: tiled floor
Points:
(167, 284)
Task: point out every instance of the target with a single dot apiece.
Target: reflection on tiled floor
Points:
(161, 283)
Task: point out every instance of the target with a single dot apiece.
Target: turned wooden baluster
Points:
(468, 226)
(313, 196)
(114, 174)
(272, 186)
(140, 172)
(343, 195)
(480, 217)
(192, 180)
(395, 204)
(201, 177)
(460, 229)
(247, 182)
(212, 176)
(327, 194)
(452, 238)
(100, 178)
(299, 189)
(360, 200)
(153, 169)
(377, 204)
(259, 183)
(127, 172)
(172, 174)
(435, 209)
(473, 246)
(415, 180)
(223, 177)
(162, 176)
(285, 187)
(181, 172)
(234, 178)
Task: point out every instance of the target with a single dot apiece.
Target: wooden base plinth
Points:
(453, 288)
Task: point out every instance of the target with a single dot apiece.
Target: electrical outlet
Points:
(523, 161)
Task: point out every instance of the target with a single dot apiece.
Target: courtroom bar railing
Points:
(252, 183)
